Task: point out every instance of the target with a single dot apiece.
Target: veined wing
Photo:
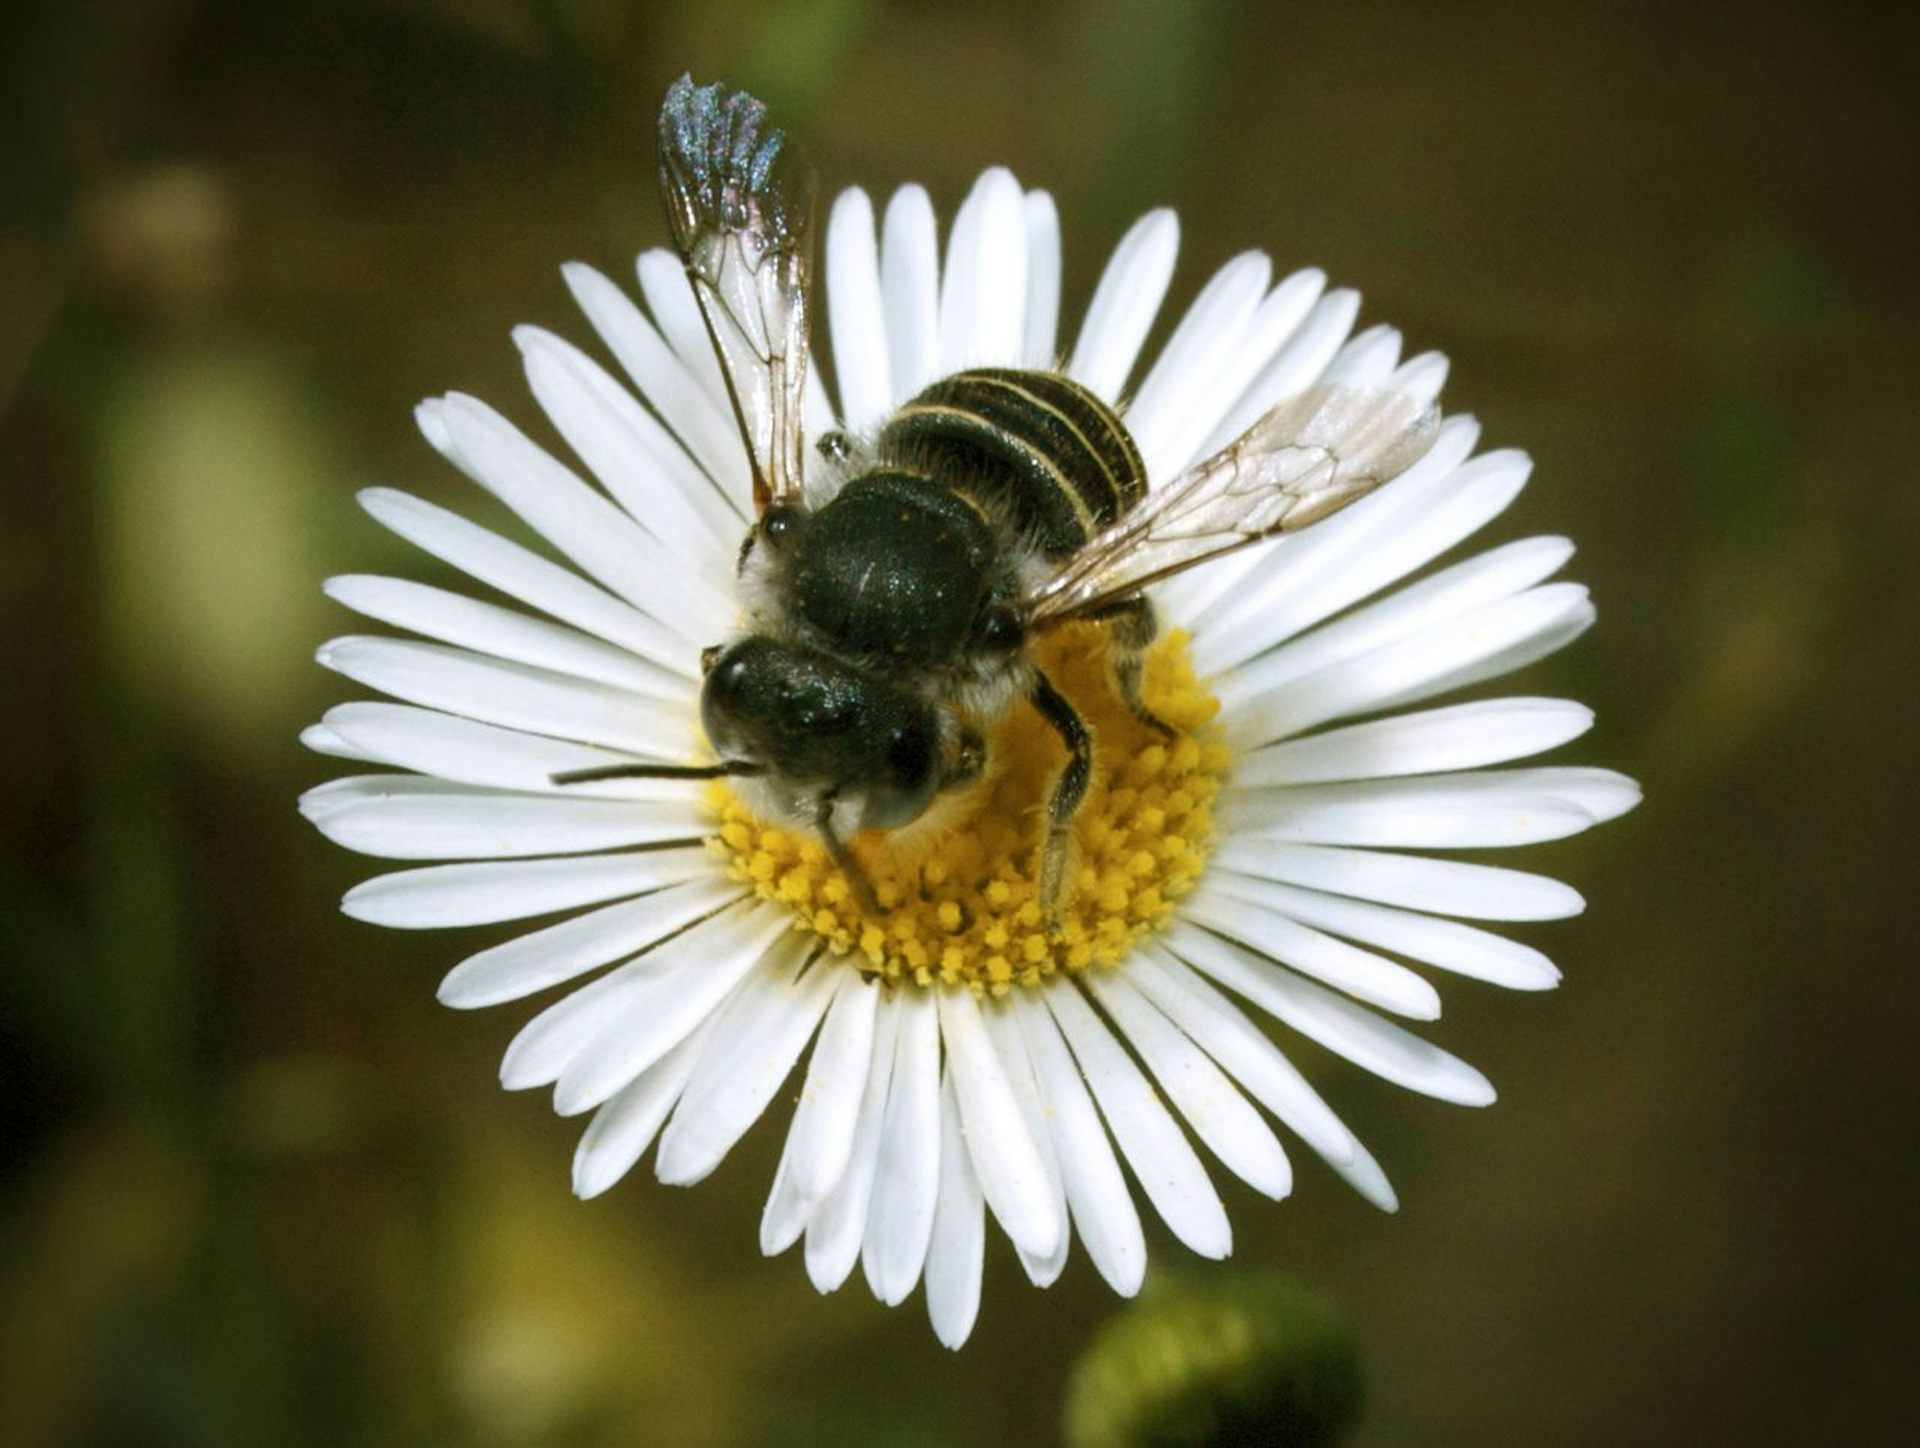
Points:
(740, 204)
(1309, 457)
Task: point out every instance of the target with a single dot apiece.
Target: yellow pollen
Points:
(957, 902)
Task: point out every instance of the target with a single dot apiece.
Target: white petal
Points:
(1457, 736)
(322, 740)
(1011, 1047)
(675, 987)
(1420, 378)
(1424, 812)
(514, 696)
(338, 796)
(1360, 550)
(837, 1225)
(910, 283)
(1042, 329)
(528, 577)
(1125, 303)
(1461, 949)
(1337, 1023)
(657, 999)
(955, 1254)
(1359, 973)
(673, 392)
(1365, 1176)
(856, 313)
(606, 543)
(785, 1215)
(1366, 361)
(1006, 1160)
(483, 894)
(629, 451)
(1103, 1210)
(1225, 1033)
(467, 752)
(1162, 412)
(530, 963)
(402, 817)
(1572, 615)
(1295, 367)
(1603, 793)
(1452, 654)
(622, 1130)
(821, 1139)
(983, 289)
(1479, 582)
(1274, 321)
(489, 629)
(1413, 882)
(907, 1184)
(1147, 1135)
(756, 1041)
(676, 312)
(1214, 1108)
(1446, 802)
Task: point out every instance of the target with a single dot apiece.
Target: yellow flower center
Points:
(956, 895)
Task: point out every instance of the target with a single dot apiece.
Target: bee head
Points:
(818, 726)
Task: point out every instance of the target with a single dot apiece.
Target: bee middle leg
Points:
(1056, 851)
(1132, 626)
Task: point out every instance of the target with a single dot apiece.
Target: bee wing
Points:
(1310, 456)
(740, 204)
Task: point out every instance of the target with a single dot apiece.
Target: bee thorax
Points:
(895, 570)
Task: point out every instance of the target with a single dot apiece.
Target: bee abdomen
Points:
(1036, 445)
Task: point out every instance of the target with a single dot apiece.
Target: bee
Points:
(890, 612)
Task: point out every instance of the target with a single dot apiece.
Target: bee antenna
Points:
(599, 772)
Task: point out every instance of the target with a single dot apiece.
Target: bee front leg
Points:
(841, 855)
(1056, 851)
(969, 758)
(1133, 625)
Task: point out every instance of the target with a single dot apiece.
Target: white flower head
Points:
(965, 1050)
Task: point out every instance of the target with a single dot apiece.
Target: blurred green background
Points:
(259, 1189)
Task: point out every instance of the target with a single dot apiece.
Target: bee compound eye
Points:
(725, 691)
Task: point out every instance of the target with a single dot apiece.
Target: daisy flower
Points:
(959, 1055)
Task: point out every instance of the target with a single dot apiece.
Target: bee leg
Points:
(1068, 791)
(1134, 625)
(969, 758)
(843, 857)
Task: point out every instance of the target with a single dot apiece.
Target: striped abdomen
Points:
(1036, 446)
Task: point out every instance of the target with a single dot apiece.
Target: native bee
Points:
(890, 611)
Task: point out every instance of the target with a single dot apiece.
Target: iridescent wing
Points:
(1309, 457)
(740, 204)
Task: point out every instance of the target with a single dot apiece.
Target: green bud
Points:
(1252, 1359)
